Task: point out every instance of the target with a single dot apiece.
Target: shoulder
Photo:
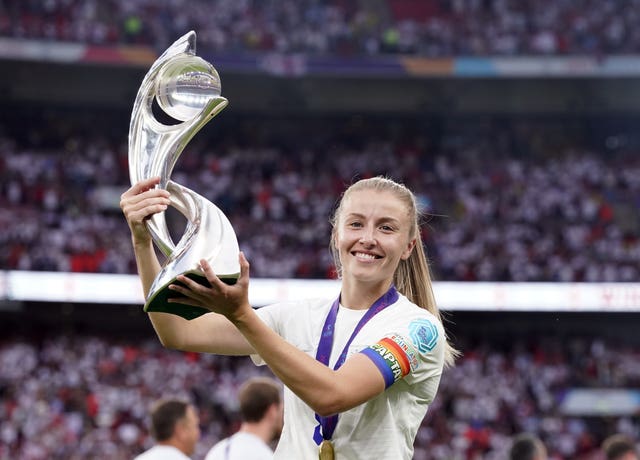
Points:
(216, 451)
(162, 452)
(250, 439)
(145, 455)
(405, 314)
(247, 445)
(412, 329)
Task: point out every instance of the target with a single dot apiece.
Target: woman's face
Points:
(372, 235)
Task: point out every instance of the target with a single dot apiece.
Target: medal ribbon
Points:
(328, 424)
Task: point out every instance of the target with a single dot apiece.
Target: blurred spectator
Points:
(430, 28)
(619, 447)
(508, 201)
(527, 447)
(79, 398)
(261, 409)
(175, 427)
(87, 398)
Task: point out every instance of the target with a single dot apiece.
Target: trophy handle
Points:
(174, 143)
(154, 148)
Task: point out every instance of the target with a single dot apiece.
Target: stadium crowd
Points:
(504, 203)
(432, 28)
(87, 397)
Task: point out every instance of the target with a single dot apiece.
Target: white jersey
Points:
(240, 446)
(406, 342)
(161, 452)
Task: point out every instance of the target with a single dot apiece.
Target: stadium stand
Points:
(550, 210)
(427, 28)
(86, 396)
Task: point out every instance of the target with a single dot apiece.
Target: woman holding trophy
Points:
(361, 370)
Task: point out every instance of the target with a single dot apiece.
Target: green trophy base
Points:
(159, 301)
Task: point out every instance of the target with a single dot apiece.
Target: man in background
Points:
(619, 447)
(527, 447)
(261, 411)
(175, 427)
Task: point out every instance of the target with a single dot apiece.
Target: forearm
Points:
(167, 326)
(313, 382)
(147, 263)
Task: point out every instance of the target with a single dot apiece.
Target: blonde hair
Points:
(412, 277)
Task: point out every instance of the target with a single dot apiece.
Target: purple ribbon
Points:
(328, 424)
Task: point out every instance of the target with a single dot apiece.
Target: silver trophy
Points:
(187, 89)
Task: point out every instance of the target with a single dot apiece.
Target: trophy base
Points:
(159, 301)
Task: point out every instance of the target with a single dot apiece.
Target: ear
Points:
(407, 252)
(272, 412)
(334, 238)
(178, 430)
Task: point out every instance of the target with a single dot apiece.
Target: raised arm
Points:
(326, 391)
(211, 333)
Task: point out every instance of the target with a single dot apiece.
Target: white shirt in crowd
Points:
(240, 446)
(160, 452)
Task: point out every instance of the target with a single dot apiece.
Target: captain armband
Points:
(394, 358)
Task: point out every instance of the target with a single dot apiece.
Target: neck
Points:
(360, 296)
(262, 430)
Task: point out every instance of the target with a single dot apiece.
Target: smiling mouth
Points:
(363, 255)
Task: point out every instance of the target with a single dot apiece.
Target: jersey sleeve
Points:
(414, 351)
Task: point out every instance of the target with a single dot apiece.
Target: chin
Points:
(368, 277)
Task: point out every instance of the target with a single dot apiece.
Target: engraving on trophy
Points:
(188, 89)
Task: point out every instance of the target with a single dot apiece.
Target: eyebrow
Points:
(382, 219)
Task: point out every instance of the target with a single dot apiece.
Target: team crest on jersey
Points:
(424, 334)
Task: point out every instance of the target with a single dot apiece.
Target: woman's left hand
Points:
(231, 301)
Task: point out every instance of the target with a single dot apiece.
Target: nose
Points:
(367, 238)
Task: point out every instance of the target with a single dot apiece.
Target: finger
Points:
(152, 194)
(211, 276)
(189, 287)
(244, 267)
(140, 211)
(142, 186)
(137, 205)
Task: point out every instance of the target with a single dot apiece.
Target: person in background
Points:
(261, 412)
(360, 370)
(619, 447)
(176, 428)
(527, 447)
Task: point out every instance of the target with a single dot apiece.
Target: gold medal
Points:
(326, 450)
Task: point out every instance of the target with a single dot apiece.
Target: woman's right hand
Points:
(141, 201)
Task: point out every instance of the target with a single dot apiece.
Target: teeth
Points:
(365, 256)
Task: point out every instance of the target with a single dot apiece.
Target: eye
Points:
(355, 224)
(387, 228)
